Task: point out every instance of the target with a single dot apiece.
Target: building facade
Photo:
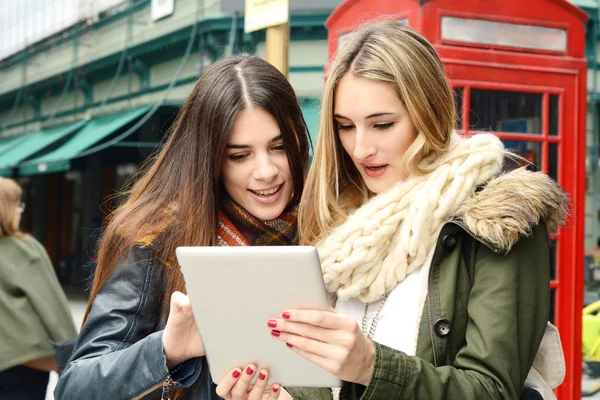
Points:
(88, 90)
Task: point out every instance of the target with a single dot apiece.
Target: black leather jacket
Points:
(119, 353)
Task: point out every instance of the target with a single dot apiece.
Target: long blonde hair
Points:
(10, 195)
(390, 52)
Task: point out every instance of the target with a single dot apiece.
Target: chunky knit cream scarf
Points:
(390, 236)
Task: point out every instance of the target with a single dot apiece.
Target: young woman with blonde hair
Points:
(33, 307)
(437, 258)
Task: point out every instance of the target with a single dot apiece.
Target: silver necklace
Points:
(375, 319)
(364, 319)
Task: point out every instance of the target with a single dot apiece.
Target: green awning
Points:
(310, 109)
(95, 131)
(6, 172)
(7, 143)
(34, 142)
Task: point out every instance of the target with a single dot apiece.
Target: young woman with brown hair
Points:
(230, 174)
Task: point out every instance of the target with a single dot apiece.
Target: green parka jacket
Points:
(483, 319)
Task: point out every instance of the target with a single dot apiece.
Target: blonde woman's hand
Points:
(181, 339)
(331, 340)
(237, 385)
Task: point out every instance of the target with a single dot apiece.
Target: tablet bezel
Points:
(235, 290)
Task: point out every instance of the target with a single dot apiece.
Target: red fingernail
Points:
(288, 345)
(272, 323)
(275, 333)
(275, 389)
(286, 315)
(261, 376)
(236, 374)
(249, 371)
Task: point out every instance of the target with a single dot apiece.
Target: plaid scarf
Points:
(237, 227)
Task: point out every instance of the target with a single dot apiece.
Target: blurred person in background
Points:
(33, 307)
(594, 253)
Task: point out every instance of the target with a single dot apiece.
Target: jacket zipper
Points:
(166, 385)
(166, 388)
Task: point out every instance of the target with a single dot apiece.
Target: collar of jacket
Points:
(510, 205)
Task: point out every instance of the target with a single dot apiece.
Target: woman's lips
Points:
(267, 199)
(375, 171)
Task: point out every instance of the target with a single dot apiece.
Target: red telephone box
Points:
(517, 68)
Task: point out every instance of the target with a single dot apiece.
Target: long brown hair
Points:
(10, 195)
(175, 202)
(391, 52)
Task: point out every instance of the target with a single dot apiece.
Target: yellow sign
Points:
(262, 14)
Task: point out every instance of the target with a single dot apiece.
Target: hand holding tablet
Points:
(234, 291)
(181, 340)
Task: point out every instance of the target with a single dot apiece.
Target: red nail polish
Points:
(236, 374)
(275, 333)
(288, 345)
(286, 315)
(249, 371)
(272, 323)
(261, 376)
(275, 389)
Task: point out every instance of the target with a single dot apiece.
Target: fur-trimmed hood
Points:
(510, 206)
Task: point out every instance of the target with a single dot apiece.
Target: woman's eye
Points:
(383, 126)
(280, 147)
(237, 157)
(345, 127)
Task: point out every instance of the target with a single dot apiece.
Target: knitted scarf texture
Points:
(237, 227)
(389, 237)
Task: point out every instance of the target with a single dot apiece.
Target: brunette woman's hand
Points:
(331, 340)
(181, 339)
(237, 385)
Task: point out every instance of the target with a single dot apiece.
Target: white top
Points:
(400, 316)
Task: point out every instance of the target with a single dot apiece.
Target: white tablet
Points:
(235, 290)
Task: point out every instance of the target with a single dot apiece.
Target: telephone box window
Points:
(553, 128)
(484, 32)
(458, 106)
(553, 161)
(503, 111)
(531, 153)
